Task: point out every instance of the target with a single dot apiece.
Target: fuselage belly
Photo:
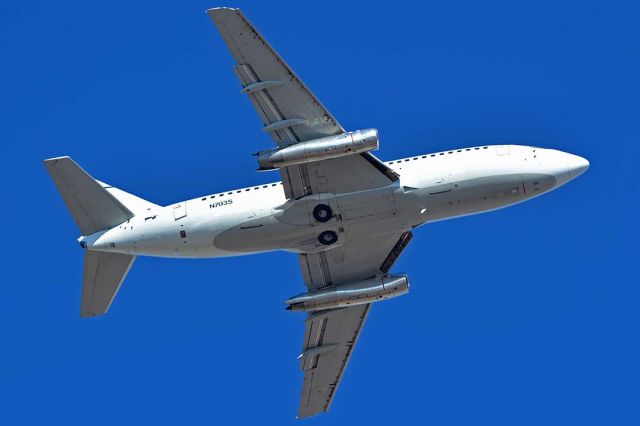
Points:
(432, 187)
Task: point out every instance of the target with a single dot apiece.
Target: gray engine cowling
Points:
(319, 149)
(357, 293)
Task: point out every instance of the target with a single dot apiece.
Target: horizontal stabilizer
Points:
(92, 206)
(103, 275)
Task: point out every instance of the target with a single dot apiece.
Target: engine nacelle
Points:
(351, 294)
(319, 149)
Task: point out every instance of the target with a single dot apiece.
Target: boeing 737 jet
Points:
(343, 212)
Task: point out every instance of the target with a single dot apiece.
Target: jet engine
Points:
(319, 149)
(357, 293)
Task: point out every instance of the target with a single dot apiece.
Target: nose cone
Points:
(577, 165)
(563, 166)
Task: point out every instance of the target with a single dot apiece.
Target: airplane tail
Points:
(96, 206)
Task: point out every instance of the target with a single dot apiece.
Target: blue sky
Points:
(525, 316)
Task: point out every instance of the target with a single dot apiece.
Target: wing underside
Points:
(291, 113)
(331, 335)
(329, 339)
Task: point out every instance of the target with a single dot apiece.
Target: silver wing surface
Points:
(288, 109)
(291, 113)
(331, 335)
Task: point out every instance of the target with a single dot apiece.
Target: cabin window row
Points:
(440, 153)
(240, 190)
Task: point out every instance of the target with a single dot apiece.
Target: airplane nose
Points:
(563, 166)
(577, 165)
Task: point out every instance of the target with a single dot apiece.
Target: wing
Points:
(288, 109)
(291, 113)
(329, 339)
(331, 335)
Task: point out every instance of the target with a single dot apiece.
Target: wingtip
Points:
(90, 314)
(54, 159)
(216, 10)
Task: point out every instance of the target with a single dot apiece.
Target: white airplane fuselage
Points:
(431, 187)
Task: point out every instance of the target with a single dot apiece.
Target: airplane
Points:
(346, 214)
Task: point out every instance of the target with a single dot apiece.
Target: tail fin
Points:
(92, 206)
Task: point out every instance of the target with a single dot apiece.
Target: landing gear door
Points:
(179, 211)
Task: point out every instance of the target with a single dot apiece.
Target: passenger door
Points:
(180, 210)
